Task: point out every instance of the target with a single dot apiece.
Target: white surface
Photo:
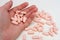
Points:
(51, 6)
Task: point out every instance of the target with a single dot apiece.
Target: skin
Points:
(9, 31)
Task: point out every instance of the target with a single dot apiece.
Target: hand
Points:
(8, 30)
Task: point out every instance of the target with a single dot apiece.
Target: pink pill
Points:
(18, 12)
(24, 19)
(48, 18)
(36, 37)
(55, 30)
(14, 19)
(21, 15)
(24, 37)
(40, 29)
(51, 23)
(27, 29)
(42, 15)
(50, 33)
(30, 32)
(51, 30)
(19, 20)
(34, 29)
(45, 33)
(14, 22)
(40, 25)
(38, 15)
(23, 12)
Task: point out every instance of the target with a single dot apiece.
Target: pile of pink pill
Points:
(42, 18)
(18, 17)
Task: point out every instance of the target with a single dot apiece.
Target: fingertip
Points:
(32, 16)
(8, 5)
(25, 4)
(35, 8)
(11, 3)
(32, 11)
(21, 6)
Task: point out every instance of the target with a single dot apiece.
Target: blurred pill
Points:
(14, 22)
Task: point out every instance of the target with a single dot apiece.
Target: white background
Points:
(51, 6)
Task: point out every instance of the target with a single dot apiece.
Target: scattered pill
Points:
(49, 18)
(55, 30)
(34, 29)
(28, 28)
(24, 37)
(35, 37)
(30, 32)
(45, 33)
(40, 29)
(37, 15)
(19, 17)
(50, 33)
(40, 25)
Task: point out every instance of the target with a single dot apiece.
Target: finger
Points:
(20, 7)
(29, 8)
(12, 14)
(13, 10)
(29, 20)
(33, 10)
(8, 5)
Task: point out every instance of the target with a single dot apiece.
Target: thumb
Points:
(8, 5)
